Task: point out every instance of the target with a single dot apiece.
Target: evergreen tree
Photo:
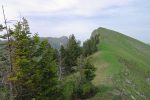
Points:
(73, 51)
(47, 74)
(87, 74)
(22, 66)
(89, 71)
(34, 65)
(90, 46)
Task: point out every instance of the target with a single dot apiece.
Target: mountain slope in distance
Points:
(56, 42)
(123, 67)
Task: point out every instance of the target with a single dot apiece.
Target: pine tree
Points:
(62, 61)
(46, 74)
(90, 46)
(73, 51)
(34, 65)
(87, 74)
(22, 59)
(89, 71)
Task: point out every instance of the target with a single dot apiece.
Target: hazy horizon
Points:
(56, 18)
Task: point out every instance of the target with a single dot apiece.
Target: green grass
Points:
(123, 64)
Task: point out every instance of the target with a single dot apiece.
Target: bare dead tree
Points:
(9, 54)
(81, 64)
(60, 66)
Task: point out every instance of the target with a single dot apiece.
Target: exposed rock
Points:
(116, 92)
(148, 80)
(133, 98)
(128, 81)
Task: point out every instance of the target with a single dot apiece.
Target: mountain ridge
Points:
(56, 42)
(122, 66)
(103, 28)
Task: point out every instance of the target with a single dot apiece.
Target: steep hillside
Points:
(123, 67)
(57, 42)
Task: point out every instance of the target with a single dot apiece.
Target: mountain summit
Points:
(123, 66)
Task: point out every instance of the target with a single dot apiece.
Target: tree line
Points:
(32, 70)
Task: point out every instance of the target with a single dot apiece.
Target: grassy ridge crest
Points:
(123, 65)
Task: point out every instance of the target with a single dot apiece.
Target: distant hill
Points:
(56, 42)
(123, 67)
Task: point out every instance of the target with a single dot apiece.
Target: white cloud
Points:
(43, 7)
(80, 28)
(123, 18)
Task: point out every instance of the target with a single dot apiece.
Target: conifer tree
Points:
(47, 73)
(62, 61)
(90, 46)
(89, 71)
(35, 69)
(73, 51)
(22, 59)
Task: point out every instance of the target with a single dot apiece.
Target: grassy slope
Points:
(123, 66)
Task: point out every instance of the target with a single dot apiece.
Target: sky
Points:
(55, 18)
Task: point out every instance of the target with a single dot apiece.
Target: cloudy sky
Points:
(80, 17)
